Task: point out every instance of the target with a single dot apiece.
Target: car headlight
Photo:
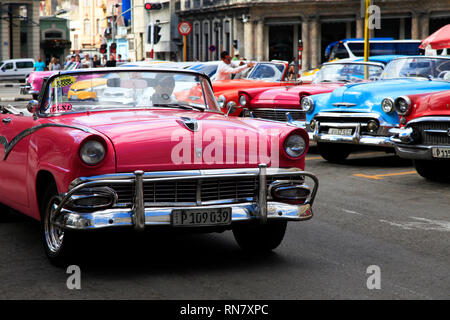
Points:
(221, 101)
(243, 100)
(307, 104)
(402, 105)
(92, 152)
(295, 145)
(387, 105)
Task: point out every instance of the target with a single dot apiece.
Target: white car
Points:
(16, 69)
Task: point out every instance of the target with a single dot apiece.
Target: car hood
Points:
(39, 75)
(293, 92)
(158, 139)
(223, 85)
(367, 97)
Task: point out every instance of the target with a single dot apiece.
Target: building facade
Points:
(19, 29)
(271, 29)
(139, 38)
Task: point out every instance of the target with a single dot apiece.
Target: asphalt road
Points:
(372, 210)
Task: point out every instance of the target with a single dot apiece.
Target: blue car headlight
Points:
(307, 104)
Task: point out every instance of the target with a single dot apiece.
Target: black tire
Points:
(60, 250)
(433, 170)
(259, 237)
(334, 152)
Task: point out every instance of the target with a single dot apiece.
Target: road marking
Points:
(381, 176)
(355, 155)
(421, 224)
(352, 212)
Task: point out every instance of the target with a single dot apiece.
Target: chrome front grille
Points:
(327, 122)
(433, 133)
(278, 114)
(196, 191)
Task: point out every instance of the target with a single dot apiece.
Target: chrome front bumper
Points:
(141, 214)
(356, 138)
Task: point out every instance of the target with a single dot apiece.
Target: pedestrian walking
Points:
(226, 68)
(39, 65)
(96, 62)
(54, 65)
(111, 62)
(236, 56)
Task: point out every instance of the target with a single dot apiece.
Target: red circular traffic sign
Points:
(184, 28)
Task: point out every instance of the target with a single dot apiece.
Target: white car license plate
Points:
(201, 217)
(441, 152)
(340, 132)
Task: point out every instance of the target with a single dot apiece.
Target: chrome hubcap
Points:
(54, 235)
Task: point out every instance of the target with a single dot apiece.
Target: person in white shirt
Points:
(226, 69)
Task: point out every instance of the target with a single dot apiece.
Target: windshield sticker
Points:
(63, 81)
(60, 107)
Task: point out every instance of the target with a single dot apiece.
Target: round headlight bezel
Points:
(289, 145)
(222, 101)
(307, 104)
(89, 146)
(387, 105)
(398, 108)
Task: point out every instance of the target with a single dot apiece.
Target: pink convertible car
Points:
(150, 149)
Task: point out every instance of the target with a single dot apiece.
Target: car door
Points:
(13, 159)
(7, 71)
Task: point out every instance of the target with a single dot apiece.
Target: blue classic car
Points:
(363, 113)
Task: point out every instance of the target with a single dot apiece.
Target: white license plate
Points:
(441, 152)
(201, 217)
(340, 132)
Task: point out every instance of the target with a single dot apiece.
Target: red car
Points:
(152, 149)
(263, 74)
(274, 103)
(424, 135)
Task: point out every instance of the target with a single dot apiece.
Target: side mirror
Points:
(231, 107)
(33, 106)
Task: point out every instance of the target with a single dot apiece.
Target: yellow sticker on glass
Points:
(63, 81)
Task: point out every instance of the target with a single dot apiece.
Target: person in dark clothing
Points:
(111, 62)
(96, 62)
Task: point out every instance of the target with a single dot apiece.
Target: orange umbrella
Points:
(438, 40)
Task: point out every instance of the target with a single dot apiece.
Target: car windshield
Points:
(438, 68)
(123, 89)
(267, 71)
(347, 72)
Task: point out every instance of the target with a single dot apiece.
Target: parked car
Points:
(35, 80)
(263, 74)
(275, 103)
(16, 69)
(362, 114)
(424, 135)
(87, 165)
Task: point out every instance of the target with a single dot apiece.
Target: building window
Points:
(87, 26)
(98, 26)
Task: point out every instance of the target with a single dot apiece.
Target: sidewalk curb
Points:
(10, 85)
(14, 99)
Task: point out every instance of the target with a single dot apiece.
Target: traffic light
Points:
(156, 35)
(103, 48)
(152, 6)
(112, 48)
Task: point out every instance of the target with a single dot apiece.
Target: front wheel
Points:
(58, 243)
(259, 237)
(433, 170)
(334, 152)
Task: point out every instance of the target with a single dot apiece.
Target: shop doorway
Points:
(281, 42)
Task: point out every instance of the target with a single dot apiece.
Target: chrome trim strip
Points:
(139, 209)
(344, 104)
(10, 145)
(429, 119)
(262, 198)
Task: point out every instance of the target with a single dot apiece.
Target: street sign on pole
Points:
(184, 28)
(212, 48)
